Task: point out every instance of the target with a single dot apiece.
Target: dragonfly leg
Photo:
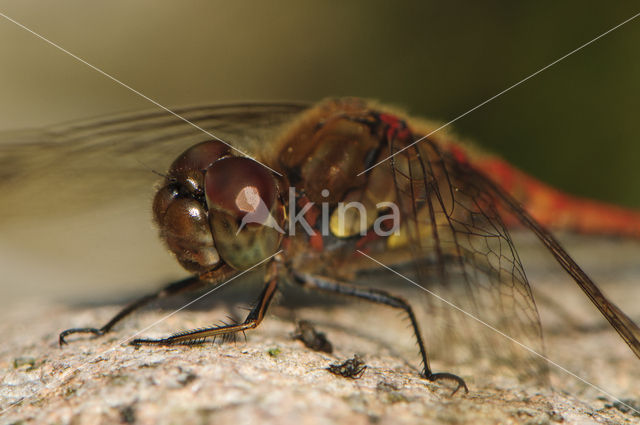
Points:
(174, 288)
(381, 297)
(253, 319)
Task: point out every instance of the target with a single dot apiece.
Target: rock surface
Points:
(272, 378)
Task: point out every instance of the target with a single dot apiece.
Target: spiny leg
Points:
(188, 284)
(253, 319)
(381, 297)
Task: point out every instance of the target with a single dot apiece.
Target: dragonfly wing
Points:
(626, 328)
(483, 307)
(80, 165)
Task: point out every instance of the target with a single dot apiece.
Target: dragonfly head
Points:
(216, 208)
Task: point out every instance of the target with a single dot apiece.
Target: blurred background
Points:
(574, 126)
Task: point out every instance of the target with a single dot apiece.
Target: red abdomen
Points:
(557, 210)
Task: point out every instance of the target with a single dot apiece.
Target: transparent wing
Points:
(455, 229)
(463, 252)
(626, 328)
(83, 164)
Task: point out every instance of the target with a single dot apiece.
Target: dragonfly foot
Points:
(444, 376)
(64, 334)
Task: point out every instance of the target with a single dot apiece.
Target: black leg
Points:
(253, 319)
(188, 284)
(382, 297)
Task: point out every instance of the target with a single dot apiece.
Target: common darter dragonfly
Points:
(436, 211)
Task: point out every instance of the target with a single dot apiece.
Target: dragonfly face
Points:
(205, 197)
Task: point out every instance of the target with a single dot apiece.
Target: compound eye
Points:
(245, 212)
(185, 229)
(189, 167)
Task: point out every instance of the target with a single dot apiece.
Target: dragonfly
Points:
(436, 212)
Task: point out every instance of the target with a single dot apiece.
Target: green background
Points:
(575, 125)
